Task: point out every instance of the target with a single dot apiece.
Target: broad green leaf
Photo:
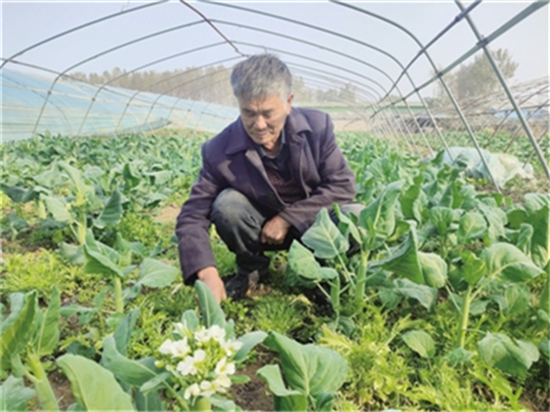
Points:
(413, 201)
(544, 301)
(74, 174)
(223, 404)
(126, 370)
(472, 225)
(156, 274)
(160, 178)
(94, 387)
(545, 349)
(131, 174)
(509, 263)
(16, 333)
(271, 374)
(49, 178)
(309, 369)
(404, 260)
(536, 201)
(425, 295)
(516, 217)
(434, 269)
(295, 403)
(112, 212)
(517, 298)
(420, 342)
(124, 330)
(458, 356)
(249, 341)
(97, 263)
(190, 320)
(346, 225)
(48, 335)
(18, 194)
(148, 403)
(500, 351)
(452, 196)
(324, 238)
(525, 237)
(540, 220)
(155, 383)
(302, 263)
(381, 212)
(442, 219)
(211, 311)
(57, 208)
(14, 395)
(495, 217)
(473, 268)
(323, 402)
(71, 253)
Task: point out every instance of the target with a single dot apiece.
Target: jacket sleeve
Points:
(337, 183)
(193, 223)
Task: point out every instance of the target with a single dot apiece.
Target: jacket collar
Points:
(239, 140)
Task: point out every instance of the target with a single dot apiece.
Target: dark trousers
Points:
(239, 223)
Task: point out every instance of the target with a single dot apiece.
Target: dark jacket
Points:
(231, 159)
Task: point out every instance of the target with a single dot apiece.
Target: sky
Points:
(363, 49)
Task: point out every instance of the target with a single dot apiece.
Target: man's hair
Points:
(261, 75)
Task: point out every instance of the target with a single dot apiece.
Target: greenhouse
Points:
(434, 295)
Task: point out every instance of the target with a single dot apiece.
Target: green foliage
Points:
(280, 313)
(23, 272)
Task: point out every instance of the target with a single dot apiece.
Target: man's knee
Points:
(232, 208)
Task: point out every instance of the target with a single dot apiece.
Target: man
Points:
(263, 180)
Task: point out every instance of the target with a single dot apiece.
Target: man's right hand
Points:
(211, 278)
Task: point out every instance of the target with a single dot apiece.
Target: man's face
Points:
(264, 118)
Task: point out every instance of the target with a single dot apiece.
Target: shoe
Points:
(239, 285)
(236, 286)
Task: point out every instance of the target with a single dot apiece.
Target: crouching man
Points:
(264, 178)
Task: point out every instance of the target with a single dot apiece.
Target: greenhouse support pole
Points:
(511, 97)
(471, 134)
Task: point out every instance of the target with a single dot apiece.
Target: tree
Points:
(479, 78)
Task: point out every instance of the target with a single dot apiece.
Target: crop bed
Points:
(445, 305)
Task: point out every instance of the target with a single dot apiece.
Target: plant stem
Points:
(464, 316)
(361, 280)
(201, 404)
(119, 303)
(335, 295)
(81, 226)
(44, 391)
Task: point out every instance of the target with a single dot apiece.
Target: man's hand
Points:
(211, 278)
(275, 231)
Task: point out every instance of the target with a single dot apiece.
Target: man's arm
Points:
(337, 183)
(193, 223)
(211, 278)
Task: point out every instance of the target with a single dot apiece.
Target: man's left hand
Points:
(275, 231)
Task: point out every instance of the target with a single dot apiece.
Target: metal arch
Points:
(342, 54)
(311, 26)
(285, 36)
(423, 49)
(163, 80)
(333, 33)
(104, 53)
(90, 23)
(172, 56)
(320, 62)
(488, 39)
(511, 97)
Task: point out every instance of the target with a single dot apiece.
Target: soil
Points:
(254, 395)
(168, 214)
(251, 396)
